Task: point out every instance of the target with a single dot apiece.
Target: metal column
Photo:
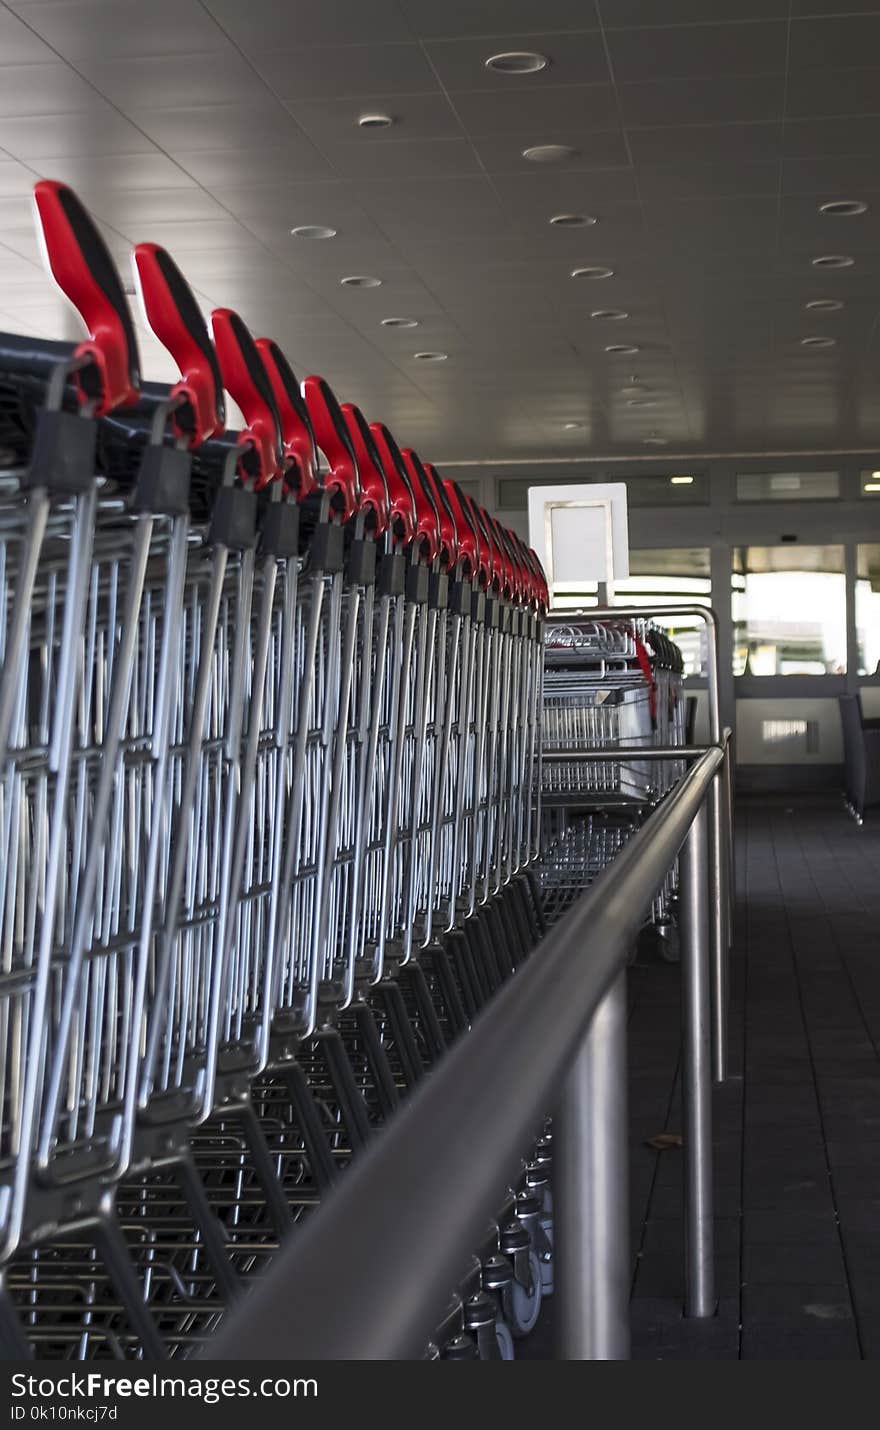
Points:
(719, 922)
(593, 1269)
(696, 1076)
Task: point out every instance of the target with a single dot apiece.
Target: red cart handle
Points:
(449, 546)
(493, 555)
(173, 314)
(482, 570)
(298, 439)
(80, 263)
(427, 516)
(468, 546)
(374, 489)
(400, 492)
(505, 563)
(530, 585)
(331, 435)
(246, 381)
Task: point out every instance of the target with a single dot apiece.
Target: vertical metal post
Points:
(591, 1192)
(727, 776)
(719, 941)
(696, 1074)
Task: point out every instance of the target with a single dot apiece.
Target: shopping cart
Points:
(270, 708)
(615, 684)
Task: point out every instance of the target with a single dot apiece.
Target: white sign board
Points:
(580, 534)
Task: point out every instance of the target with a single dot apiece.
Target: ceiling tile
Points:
(715, 143)
(235, 127)
(416, 159)
(294, 158)
(159, 82)
(454, 18)
(836, 177)
(346, 71)
(702, 180)
(681, 52)
(91, 134)
(574, 59)
(108, 173)
(627, 13)
(834, 42)
(840, 92)
(703, 101)
(813, 138)
(309, 22)
(563, 192)
(19, 45)
(581, 107)
(99, 28)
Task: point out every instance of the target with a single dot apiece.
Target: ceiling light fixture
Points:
(844, 208)
(375, 121)
(572, 426)
(824, 305)
(654, 441)
(622, 349)
(611, 315)
(313, 230)
(400, 322)
(517, 62)
(641, 402)
(593, 271)
(818, 342)
(833, 260)
(430, 357)
(360, 280)
(871, 487)
(573, 220)
(549, 153)
(682, 481)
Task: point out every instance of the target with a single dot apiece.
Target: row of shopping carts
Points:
(269, 733)
(615, 685)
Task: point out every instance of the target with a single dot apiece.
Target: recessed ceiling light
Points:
(313, 230)
(375, 121)
(622, 348)
(360, 280)
(612, 315)
(833, 260)
(400, 322)
(641, 402)
(871, 486)
(818, 342)
(654, 442)
(517, 62)
(431, 357)
(572, 426)
(844, 208)
(682, 481)
(573, 220)
(824, 305)
(549, 153)
(593, 270)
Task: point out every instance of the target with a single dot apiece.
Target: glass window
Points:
(789, 610)
(868, 609)
(650, 489)
(669, 577)
(869, 485)
(787, 486)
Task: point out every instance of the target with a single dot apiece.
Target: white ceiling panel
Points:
(345, 71)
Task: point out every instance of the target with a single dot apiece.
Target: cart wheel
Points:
(505, 1341)
(521, 1307)
(546, 1257)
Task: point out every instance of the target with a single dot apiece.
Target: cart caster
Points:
(461, 1348)
(545, 1255)
(505, 1341)
(522, 1303)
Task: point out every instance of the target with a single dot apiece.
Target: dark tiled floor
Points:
(797, 1125)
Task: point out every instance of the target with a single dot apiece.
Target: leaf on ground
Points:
(664, 1141)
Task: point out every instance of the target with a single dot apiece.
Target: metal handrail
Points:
(368, 1276)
